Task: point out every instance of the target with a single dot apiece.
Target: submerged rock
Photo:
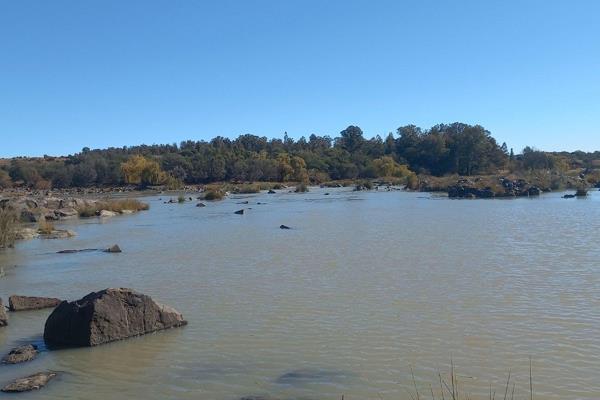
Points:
(21, 354)
(32, 382)
(303, 376)
(200, 205)
(271, 191)
(107, 316)
(24, 303)
(3, 315)
(113, 249)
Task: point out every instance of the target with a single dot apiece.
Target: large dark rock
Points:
(21, 354)
(3, 315)
(106, 316)
(32, 382)
(23, 303)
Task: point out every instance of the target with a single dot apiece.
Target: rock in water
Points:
(3, 315)
(113, 249)
(240, 212)
(23, 303)
(284, 227)
(32, 382)
(21, 354)
(107, 316)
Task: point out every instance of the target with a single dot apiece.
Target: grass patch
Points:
(8, 227)
(115, 205)
(247, 189)
(45, 227)
(212, 195)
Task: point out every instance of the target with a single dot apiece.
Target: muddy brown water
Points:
(362, 288)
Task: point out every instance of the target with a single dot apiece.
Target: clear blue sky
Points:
(113, 73)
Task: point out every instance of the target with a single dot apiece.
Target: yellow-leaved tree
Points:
(139, 170)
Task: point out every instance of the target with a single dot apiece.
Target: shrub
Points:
(87, 211)
(181, 199)
(301, 188)
(214, 195)
(246, 189)
(8, 226)
(45, 227)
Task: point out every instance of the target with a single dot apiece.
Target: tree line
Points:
(443, 149)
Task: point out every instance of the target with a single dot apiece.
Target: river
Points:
(365, 287)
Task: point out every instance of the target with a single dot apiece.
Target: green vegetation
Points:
(411, 152)
(181, 199)
(115, 205)
(8, 226)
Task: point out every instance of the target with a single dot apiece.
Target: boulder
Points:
(107, 316)
(3, 315)
(32, 382)
(107, 214)
(23, 303)
(113, 249)
(21, 354)
(239, 212)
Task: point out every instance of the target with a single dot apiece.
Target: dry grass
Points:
(248, 188)
(115, 205)
(450, 388)
(45, 227)
(8, 227)
(212, 195)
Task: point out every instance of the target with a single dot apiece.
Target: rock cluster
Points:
(475, 189)
(32, 209)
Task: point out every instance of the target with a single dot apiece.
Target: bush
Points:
(8, 227)
(214, 195)
(301, 188)
(181, 199)
(247, 189)
(45, 227)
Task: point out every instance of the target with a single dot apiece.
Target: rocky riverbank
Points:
(19, 210)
